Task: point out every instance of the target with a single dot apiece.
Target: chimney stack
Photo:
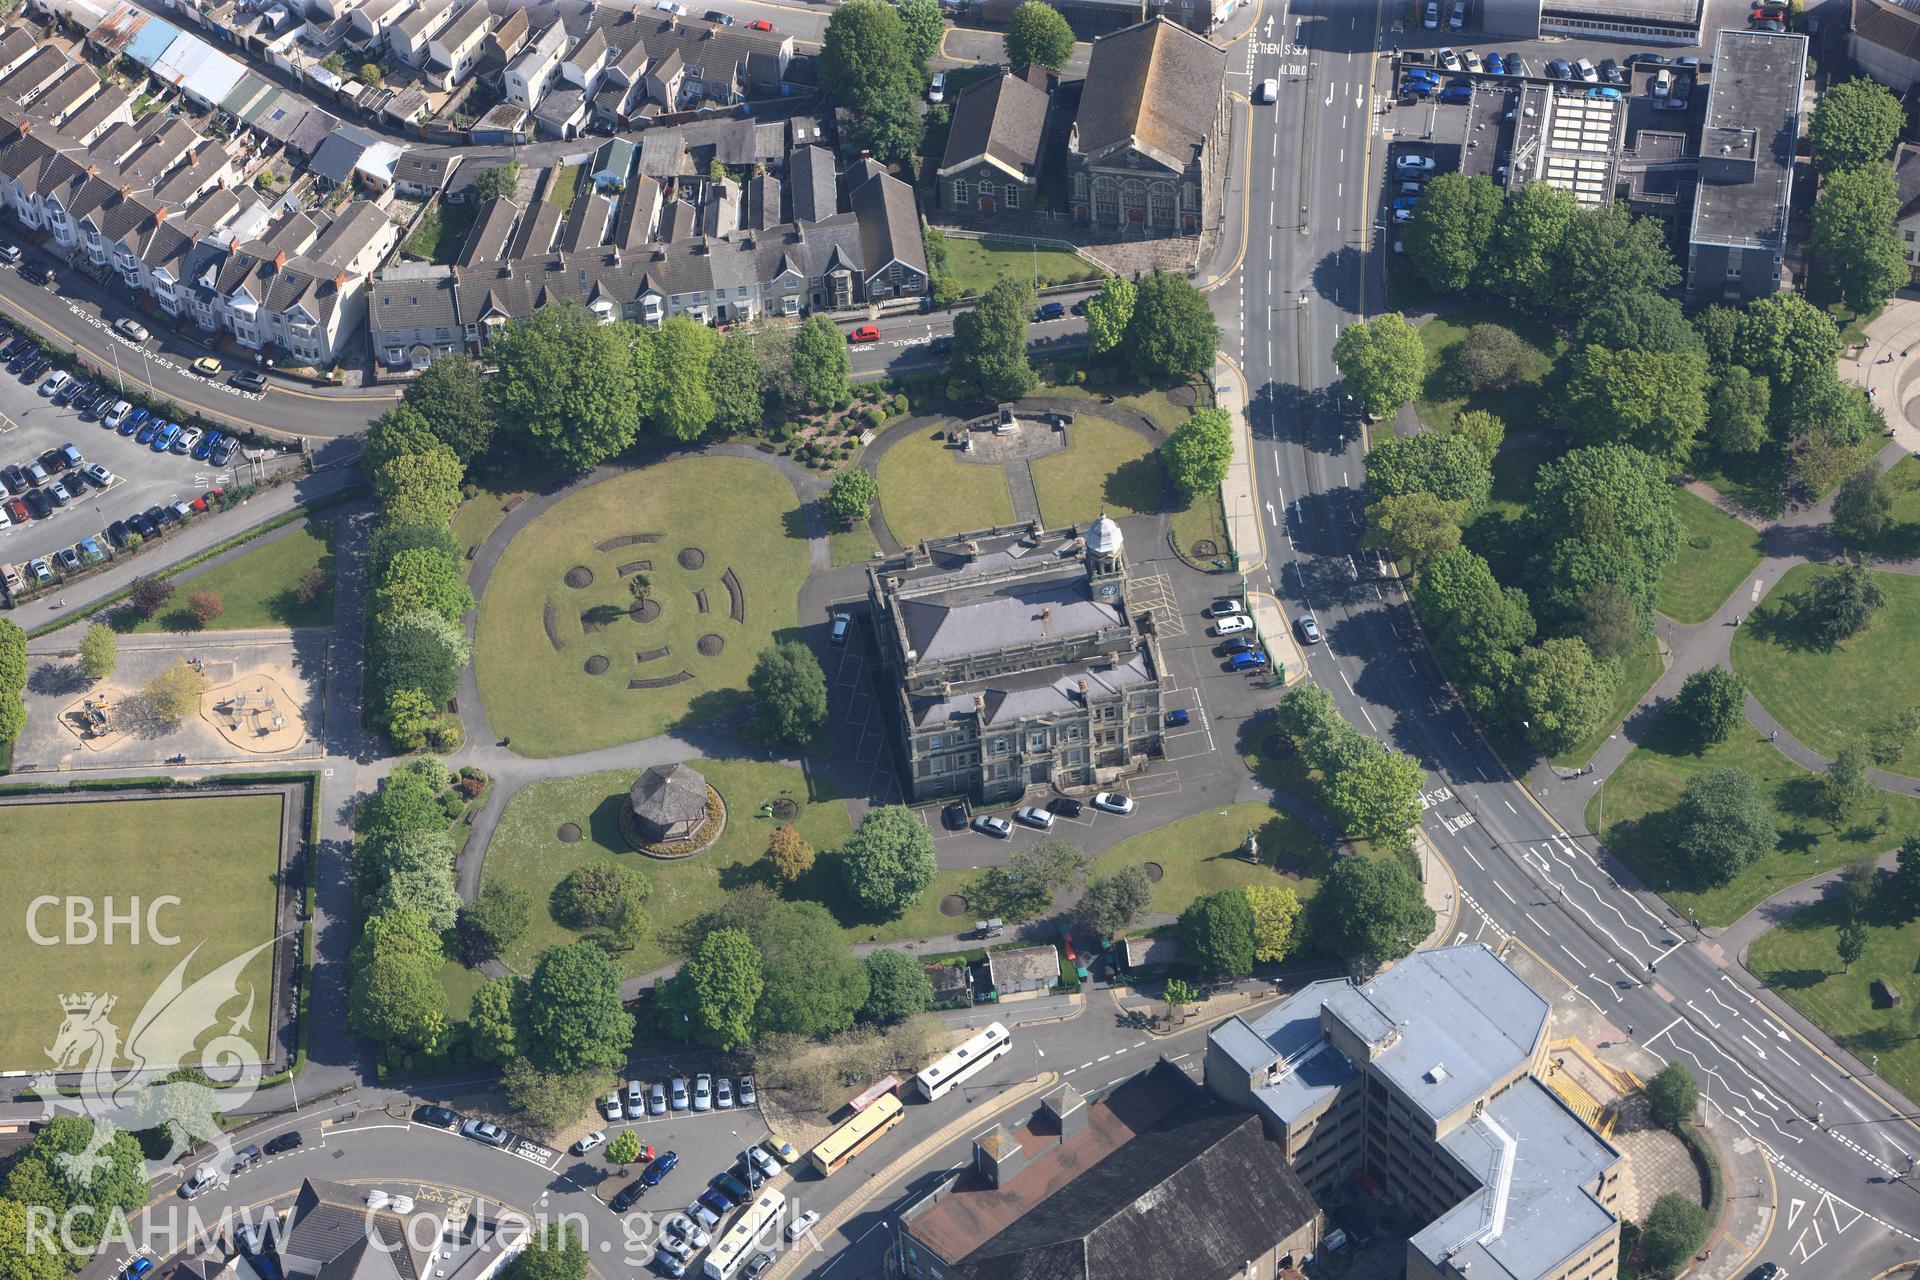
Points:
(1067, 1109)
(998, 1157)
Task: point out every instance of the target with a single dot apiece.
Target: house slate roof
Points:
(429, 169)
(487, 238)
(1003, 119)
(473, 20)
(312, 132)
(1156, 87)
(419, 296)
(1893, 27)
(812, 182)
(889, 225)
(330, 1225)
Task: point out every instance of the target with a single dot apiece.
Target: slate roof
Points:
(330, 1225)
(1002, 118)
(487, 238)
(312, 132)
(341, 151)
(468, 26)
(1893, 27)
(1163, 1181)
(669, 794)
(1155, 86)
(952, 625)
(429, 169)
(419, 295)
(889, 225)
(1906, 173)
(810, 178)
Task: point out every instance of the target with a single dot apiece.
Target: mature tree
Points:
(850, 498)
(1903, 886)
(87, 1206)
(1841, 604)
(867, 62)
(1673, 1232)
(1199, 451)
(1217, 934)
(1719, 330)
(99, 652)
(421, 649)
(1721, 826)
(1451, 228)
(1610, 620)
(1038, 36)
(1823, 406)
(1112, 903)
(1712, 703)
(568, 385)
(1371, 908)
(420, 488)
(204, 606)
(1377, 796)
(1576, 567)
(21, 1256)
(416, 870)
(990, 344)
(1845, 783)
(1108, 313)
(1178, 994)
(1787, 337)
(13, 679)
(1474, 624)
(554, 1252)
(149, 595)
(399, 431)
(493, 1019)
(1654, 401)
(624, 1149)
(496, 919)
(1737, 411)
(897, 987)
(595, 894)
(1171, 332)
(733, 383)
(924, 28)
(1413, 526)
(684, 409)
(1863, 507)
(1382, 362)
(1527, 232)
(1671, 1095)
(813, 983)
(789, 694)
(820, 361)
(1639, 320)
(1276, 913)
(404, 802)
(1450, 467)
(574, 1017)
(1491, 357)
(789, 853)
(889, 861)
(1607, 251)
(501, 180)
(1024, 887)
(175, 693)
(1855, 124)
(550, 1101)
(421, 578)
(724, 980)
(395, 996)
(1851, 943)
(1562, 692)
(451, 398)
(1483, 430)
(1854, 234)
(1613, 487)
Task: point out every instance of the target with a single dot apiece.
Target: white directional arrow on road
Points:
(1756, 1048)
(1271, 518)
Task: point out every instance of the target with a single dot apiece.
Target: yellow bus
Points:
(856, 1135)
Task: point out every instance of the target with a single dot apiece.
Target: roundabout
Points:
(608, 589)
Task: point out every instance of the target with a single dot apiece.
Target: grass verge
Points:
(1521, 406)
(1717, 553)
(976, 265)
(260, 588)
(1104, 468)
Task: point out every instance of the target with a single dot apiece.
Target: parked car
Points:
(91, 552)
(131, 330)
(718, 18)
(763, 1164)
(703, 1092)
(163, 441)
(199, 1181)
(207, 366)
(723, 1094)
(610, 1107)
(1113, 801)
(782, 1150)
(988, 825)
(636, 1097)
(1559, 69)
(143, 524)
(67, 560)
(1471, 61)
(624, 1198)
(1661, 84)
(42, 574)
(1064, 806)
(678, 1089)
(208, 443)
(133, 421)
(245, 1158)
(760, 24)
(865, 333)
(1033, 815)
(1430, 15)
(733, 1188)
(138, 1267)
(57, 493)
(249, 380)
(802, 1224)
(55, 380)
(1612, 72)
(1496, 65)
(184, 442)
(1232, 626)
(937, 87)
(1178, 717)
(1049, 311)
(1267, 92)
(749, 1096)
(660, 1168)
(1403, 208)
(657, 1099)
(589, 1142)
(117, 533)
(681, 1227)
(1448, 60)
(1457, 16)
(1585, 70)
(719, 1201)
(954, 816)
(148, 430)
(69, 391)
(842, 623)
(1308, 628)
(1254, 660)
(223, 452)
(1236, 644)
(484, 1131)
(9, 251)
(1224, 607)
(17, 511)
(288, 1141)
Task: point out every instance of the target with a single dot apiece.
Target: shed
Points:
(951, 984)
(669, 802)
(1154, 952)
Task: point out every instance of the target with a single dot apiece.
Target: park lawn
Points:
(1800, 960)
(976, 265)
(442, 230)
(1648, 784)
(1521, 406)
(927, 492)
(258, 588)
(1105, 467)
(475, 519)
(855, 545)
(1167, 404)
(1753, 480)
(1716, 554)
(738, 512)
(135, 850)
(1827, 698)
(1638, 673)
(459, 983)
(1203, 519)
(1201, 855)
(527, 851)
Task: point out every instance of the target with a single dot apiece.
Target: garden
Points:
(1203, 854)
(927, 492)
(224, 897)
(638, 604)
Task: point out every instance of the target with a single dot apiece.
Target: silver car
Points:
(703, 1092)
(657, 1099)
(679, 1088)
(1033, 815)
(636, 1098)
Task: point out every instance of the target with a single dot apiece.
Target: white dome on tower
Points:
(1104, 538)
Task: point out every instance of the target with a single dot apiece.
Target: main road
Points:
(1314, 262)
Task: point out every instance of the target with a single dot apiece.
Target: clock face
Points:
(1108, 589)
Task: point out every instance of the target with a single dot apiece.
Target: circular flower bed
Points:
(953, 905)
(710, 645)
(579, 577)
(595, 666)
(692, 557)
(569, 833)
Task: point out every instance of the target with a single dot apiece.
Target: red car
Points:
(865, 333)
(760, 25)
(17, 511)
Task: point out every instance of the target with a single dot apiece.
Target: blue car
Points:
(1421, 73)
(660, 1168)
(134, 421)
(1251, 661)
(1606, 92)
(148, 430)
(1418, 89)
(138, 1268)
(208, 443)
(164, 441)
(718, 1201)
(1495, 66)
(1559, 69)
(1456, 94)
(1177, 717)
